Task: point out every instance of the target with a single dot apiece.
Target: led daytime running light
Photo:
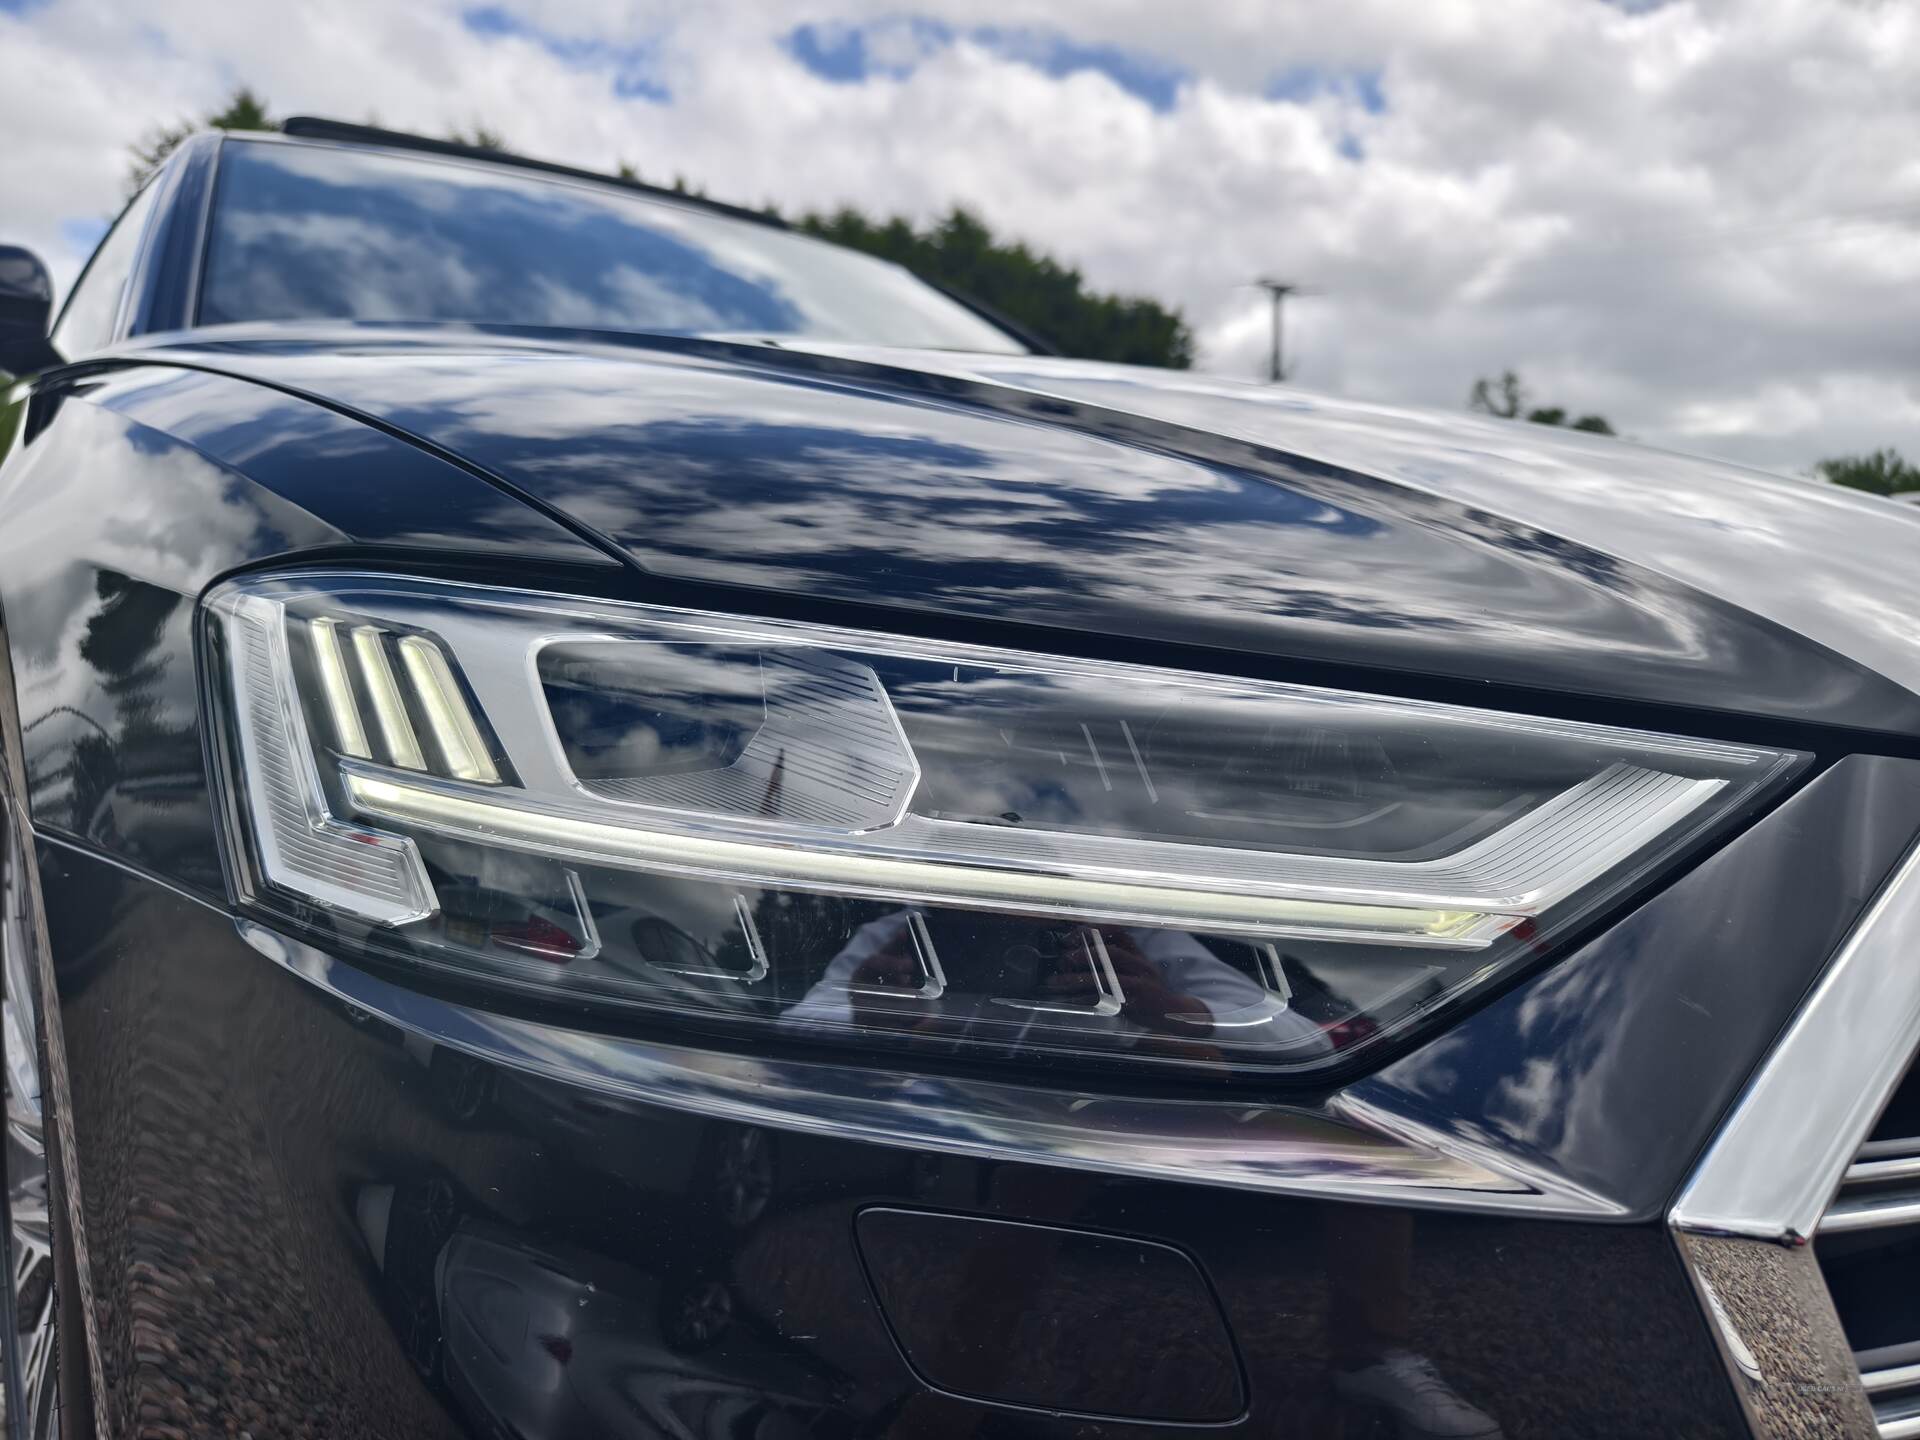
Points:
(680, 852)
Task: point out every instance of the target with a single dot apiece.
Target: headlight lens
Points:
(852, 836)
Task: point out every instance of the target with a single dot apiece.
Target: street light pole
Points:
(1277, 290)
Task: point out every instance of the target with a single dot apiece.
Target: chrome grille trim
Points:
(1871, 1212)
(1878, 1193)
(1820, 1091)
(1898, 1377)
(1771, 1318)
(1881, 1161)
(1795, 1141)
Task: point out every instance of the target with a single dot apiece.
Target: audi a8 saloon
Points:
(616, 821)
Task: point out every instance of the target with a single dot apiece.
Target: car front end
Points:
(562, 881)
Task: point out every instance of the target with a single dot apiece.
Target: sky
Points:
(1699, 219)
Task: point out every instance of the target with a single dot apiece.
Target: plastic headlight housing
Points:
(771, 828)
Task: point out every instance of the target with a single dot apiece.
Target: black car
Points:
(620, 822)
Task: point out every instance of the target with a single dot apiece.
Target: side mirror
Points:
(26, 311)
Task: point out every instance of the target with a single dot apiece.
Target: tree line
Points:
(1879, 472)
(1036, 294)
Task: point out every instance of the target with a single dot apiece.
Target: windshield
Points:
(304, 232)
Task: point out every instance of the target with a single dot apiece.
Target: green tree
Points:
(1502, 398)
(478, 138)
(1034, 291)
(1880, 472)
(245, 111)
(1506, 399)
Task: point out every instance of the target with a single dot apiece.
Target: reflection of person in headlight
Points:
(1140, 983)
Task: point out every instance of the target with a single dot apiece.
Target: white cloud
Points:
(1701, 219)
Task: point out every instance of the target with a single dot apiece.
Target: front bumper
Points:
(307, 1210)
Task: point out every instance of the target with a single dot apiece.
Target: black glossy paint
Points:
(723, 469)
(136, 489)
(1611, 1068)
(956, 1291)
(26, 309)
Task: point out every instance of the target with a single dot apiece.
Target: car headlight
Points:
(747, 823)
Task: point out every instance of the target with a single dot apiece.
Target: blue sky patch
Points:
(849, 54)
(635, 67)
(1302, 83)
(891, 49)
(1155, 81)
(80, 234)
(833, 52)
